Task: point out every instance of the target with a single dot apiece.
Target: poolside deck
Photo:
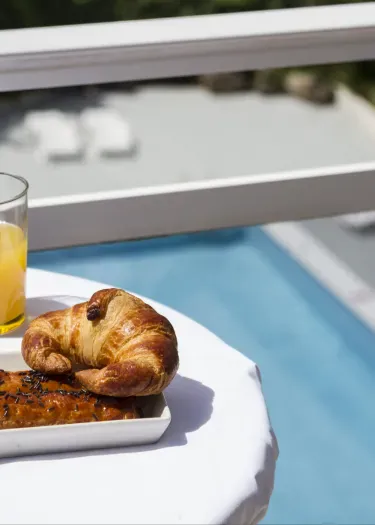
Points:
(186, 133)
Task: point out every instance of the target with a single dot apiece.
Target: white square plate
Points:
(77, 436)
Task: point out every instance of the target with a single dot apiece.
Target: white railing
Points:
(205, 205)
(68, 55)
(61, 56)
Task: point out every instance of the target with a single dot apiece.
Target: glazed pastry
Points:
(125, 346)
(29, 399)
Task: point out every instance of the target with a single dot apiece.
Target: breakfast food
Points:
(125, 347)
(30, 399)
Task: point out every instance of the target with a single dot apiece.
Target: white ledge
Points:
(327, 268)
(166, 210)
(120, 51)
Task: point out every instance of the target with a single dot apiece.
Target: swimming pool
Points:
(317, 360)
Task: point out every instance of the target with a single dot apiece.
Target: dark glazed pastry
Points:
(30, 399)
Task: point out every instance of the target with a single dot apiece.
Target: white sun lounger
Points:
(358, 221)
(56, 135)
(108, 133)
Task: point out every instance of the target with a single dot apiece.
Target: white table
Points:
(215, 464)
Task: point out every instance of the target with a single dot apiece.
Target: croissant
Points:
(124, 346)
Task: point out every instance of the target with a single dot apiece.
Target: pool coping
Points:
(327, 268)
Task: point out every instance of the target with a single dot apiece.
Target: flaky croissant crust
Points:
(125, 347)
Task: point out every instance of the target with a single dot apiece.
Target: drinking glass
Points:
(13, 251)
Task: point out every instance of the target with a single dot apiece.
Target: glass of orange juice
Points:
(13, 251)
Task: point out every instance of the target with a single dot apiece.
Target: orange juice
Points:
(13, 260)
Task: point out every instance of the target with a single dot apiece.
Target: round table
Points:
(215, 463)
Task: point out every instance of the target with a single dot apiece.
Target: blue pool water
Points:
(317, 359)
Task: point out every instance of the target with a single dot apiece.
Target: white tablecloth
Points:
(215, 464)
